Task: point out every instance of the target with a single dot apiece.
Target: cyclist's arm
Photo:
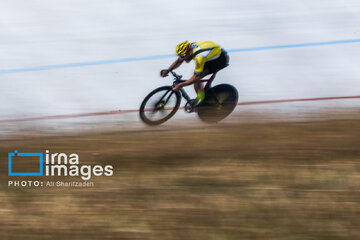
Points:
(173, 66)
(176, 64)
(198, 73)
(194, 78)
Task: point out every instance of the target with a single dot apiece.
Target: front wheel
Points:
(219, 102)
(159, 105)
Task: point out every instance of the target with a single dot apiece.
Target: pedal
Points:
(190, 106)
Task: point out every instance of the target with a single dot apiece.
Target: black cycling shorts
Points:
(217, 64)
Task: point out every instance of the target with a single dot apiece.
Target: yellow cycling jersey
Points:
(203, 52)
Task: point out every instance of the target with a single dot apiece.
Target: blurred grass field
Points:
(285, 180)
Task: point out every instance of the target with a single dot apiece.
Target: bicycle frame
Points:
(182, 90)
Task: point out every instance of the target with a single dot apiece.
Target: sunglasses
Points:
(182, 55)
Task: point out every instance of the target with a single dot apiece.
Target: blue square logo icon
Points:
(23, 156)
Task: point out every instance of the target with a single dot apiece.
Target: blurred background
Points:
(274, 171)
(68, 41)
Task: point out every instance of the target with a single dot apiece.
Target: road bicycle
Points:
(162, 103)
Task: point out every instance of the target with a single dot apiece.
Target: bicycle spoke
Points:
(160, 105)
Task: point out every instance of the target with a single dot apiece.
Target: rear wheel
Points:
(219, 102)
(159, 105)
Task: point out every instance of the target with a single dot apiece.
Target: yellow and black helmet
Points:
(182, 48)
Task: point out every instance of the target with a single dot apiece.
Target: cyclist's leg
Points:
(199, 88)
(213, 67)
(210, 68)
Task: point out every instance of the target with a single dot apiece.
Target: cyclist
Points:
(209, 58)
